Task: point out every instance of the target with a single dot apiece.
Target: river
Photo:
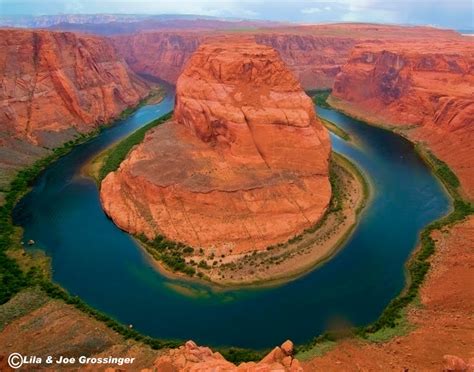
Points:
(95, 260)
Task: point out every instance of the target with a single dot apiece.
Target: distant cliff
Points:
(315, 61)
(160, 54)
(428, 88)
(315, 54)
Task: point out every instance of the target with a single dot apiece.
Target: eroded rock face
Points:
(243, 165)
(191, 357)
(416, 85)
(54, 82)
(160, 54)
(315, 54)
(315, 60)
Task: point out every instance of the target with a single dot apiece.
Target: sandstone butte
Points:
(242, 165)
(315, 54)
(426, 89)
(55, 85)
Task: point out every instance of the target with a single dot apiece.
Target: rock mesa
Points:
(242, 165)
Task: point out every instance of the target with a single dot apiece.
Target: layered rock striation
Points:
(243, 165)
(315, 60)
(315, 54)
(412, 85)
(55, 81)
(55, 85)
(159, 54)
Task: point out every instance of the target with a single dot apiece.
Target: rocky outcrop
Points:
(192, 358)
(54, 81)
(243, 165)
(429, 89)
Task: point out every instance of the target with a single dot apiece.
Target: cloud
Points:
(310, 10)
(447, 13)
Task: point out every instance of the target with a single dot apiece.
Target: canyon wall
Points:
(55, 85)
(54, 81)
(426, 90)
(160, 54)
(315, 54)
(314, 60)
(243, 165)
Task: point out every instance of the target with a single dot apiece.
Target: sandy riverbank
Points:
(294, 258)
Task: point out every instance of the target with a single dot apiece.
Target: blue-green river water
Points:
(101, 264)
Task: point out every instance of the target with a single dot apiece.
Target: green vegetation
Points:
(117, 154)
(21, 304)
(56, 292)
(170, 253)
(440, 168)
(392, 321)
(320, 97)
(239, 355)
(13, 279)
(154, 96)
(320, 348)
(338, 131)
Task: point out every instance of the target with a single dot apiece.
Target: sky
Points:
(457, 14)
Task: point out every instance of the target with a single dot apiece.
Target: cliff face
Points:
(160, 54)
(243, 165)
(314, 60)
(315, 54)
(54, 81)
(416, 84)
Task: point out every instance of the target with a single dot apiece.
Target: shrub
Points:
(320, 97)
(121, 150)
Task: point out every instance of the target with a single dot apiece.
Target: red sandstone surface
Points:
(440, 83)
(315, 60)
(55, 85)
(54, 81)
(427, 88)
(160, 54)
(315, 54)
(243, 165)
(192, 358)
